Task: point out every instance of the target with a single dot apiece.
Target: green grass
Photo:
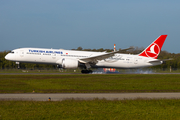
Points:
(108, 83)
(139, 109)
(91, 110)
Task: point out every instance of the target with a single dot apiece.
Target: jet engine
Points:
(69, 63)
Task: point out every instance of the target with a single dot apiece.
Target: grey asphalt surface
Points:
(88, 96)
(74, 73)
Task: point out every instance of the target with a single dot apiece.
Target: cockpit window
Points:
(12, 52)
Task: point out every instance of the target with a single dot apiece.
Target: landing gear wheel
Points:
(86, 71)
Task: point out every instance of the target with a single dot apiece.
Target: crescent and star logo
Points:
(153, 51)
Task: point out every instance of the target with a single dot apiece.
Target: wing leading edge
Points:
(94, 59)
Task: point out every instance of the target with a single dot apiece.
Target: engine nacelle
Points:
(69, 63)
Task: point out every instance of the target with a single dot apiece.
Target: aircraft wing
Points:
(94, 59)
(158, 60)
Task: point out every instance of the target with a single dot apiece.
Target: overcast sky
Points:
(90, 24)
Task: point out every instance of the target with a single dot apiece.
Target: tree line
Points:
(174, 64)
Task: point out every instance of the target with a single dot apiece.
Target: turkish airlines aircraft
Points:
(85, 59)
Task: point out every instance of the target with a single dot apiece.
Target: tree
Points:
(79, 48)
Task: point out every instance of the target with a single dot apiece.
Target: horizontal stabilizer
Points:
(158, 60)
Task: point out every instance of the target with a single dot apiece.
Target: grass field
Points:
(140, 109)
(91, 110)
(106, 83)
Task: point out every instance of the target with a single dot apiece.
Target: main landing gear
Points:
(86, 71)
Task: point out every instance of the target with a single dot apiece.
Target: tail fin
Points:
(154, 49)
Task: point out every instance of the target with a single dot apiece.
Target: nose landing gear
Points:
(18, 64)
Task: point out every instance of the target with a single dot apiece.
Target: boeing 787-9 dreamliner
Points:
(85, 59)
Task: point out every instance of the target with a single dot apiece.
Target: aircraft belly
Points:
(114, 64)
(125, 64)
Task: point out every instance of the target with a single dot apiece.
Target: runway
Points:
(88, 96)
(76, 73)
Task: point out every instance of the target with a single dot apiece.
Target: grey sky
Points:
(91, 24)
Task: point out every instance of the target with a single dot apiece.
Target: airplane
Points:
(72, 59)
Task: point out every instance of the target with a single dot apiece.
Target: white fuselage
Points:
(55, 56)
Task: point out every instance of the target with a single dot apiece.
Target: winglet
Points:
(154, 49)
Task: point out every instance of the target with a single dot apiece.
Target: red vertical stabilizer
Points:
(154, 49)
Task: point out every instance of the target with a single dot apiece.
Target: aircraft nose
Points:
(7, 57)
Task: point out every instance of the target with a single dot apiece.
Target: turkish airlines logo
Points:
(153, 51)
